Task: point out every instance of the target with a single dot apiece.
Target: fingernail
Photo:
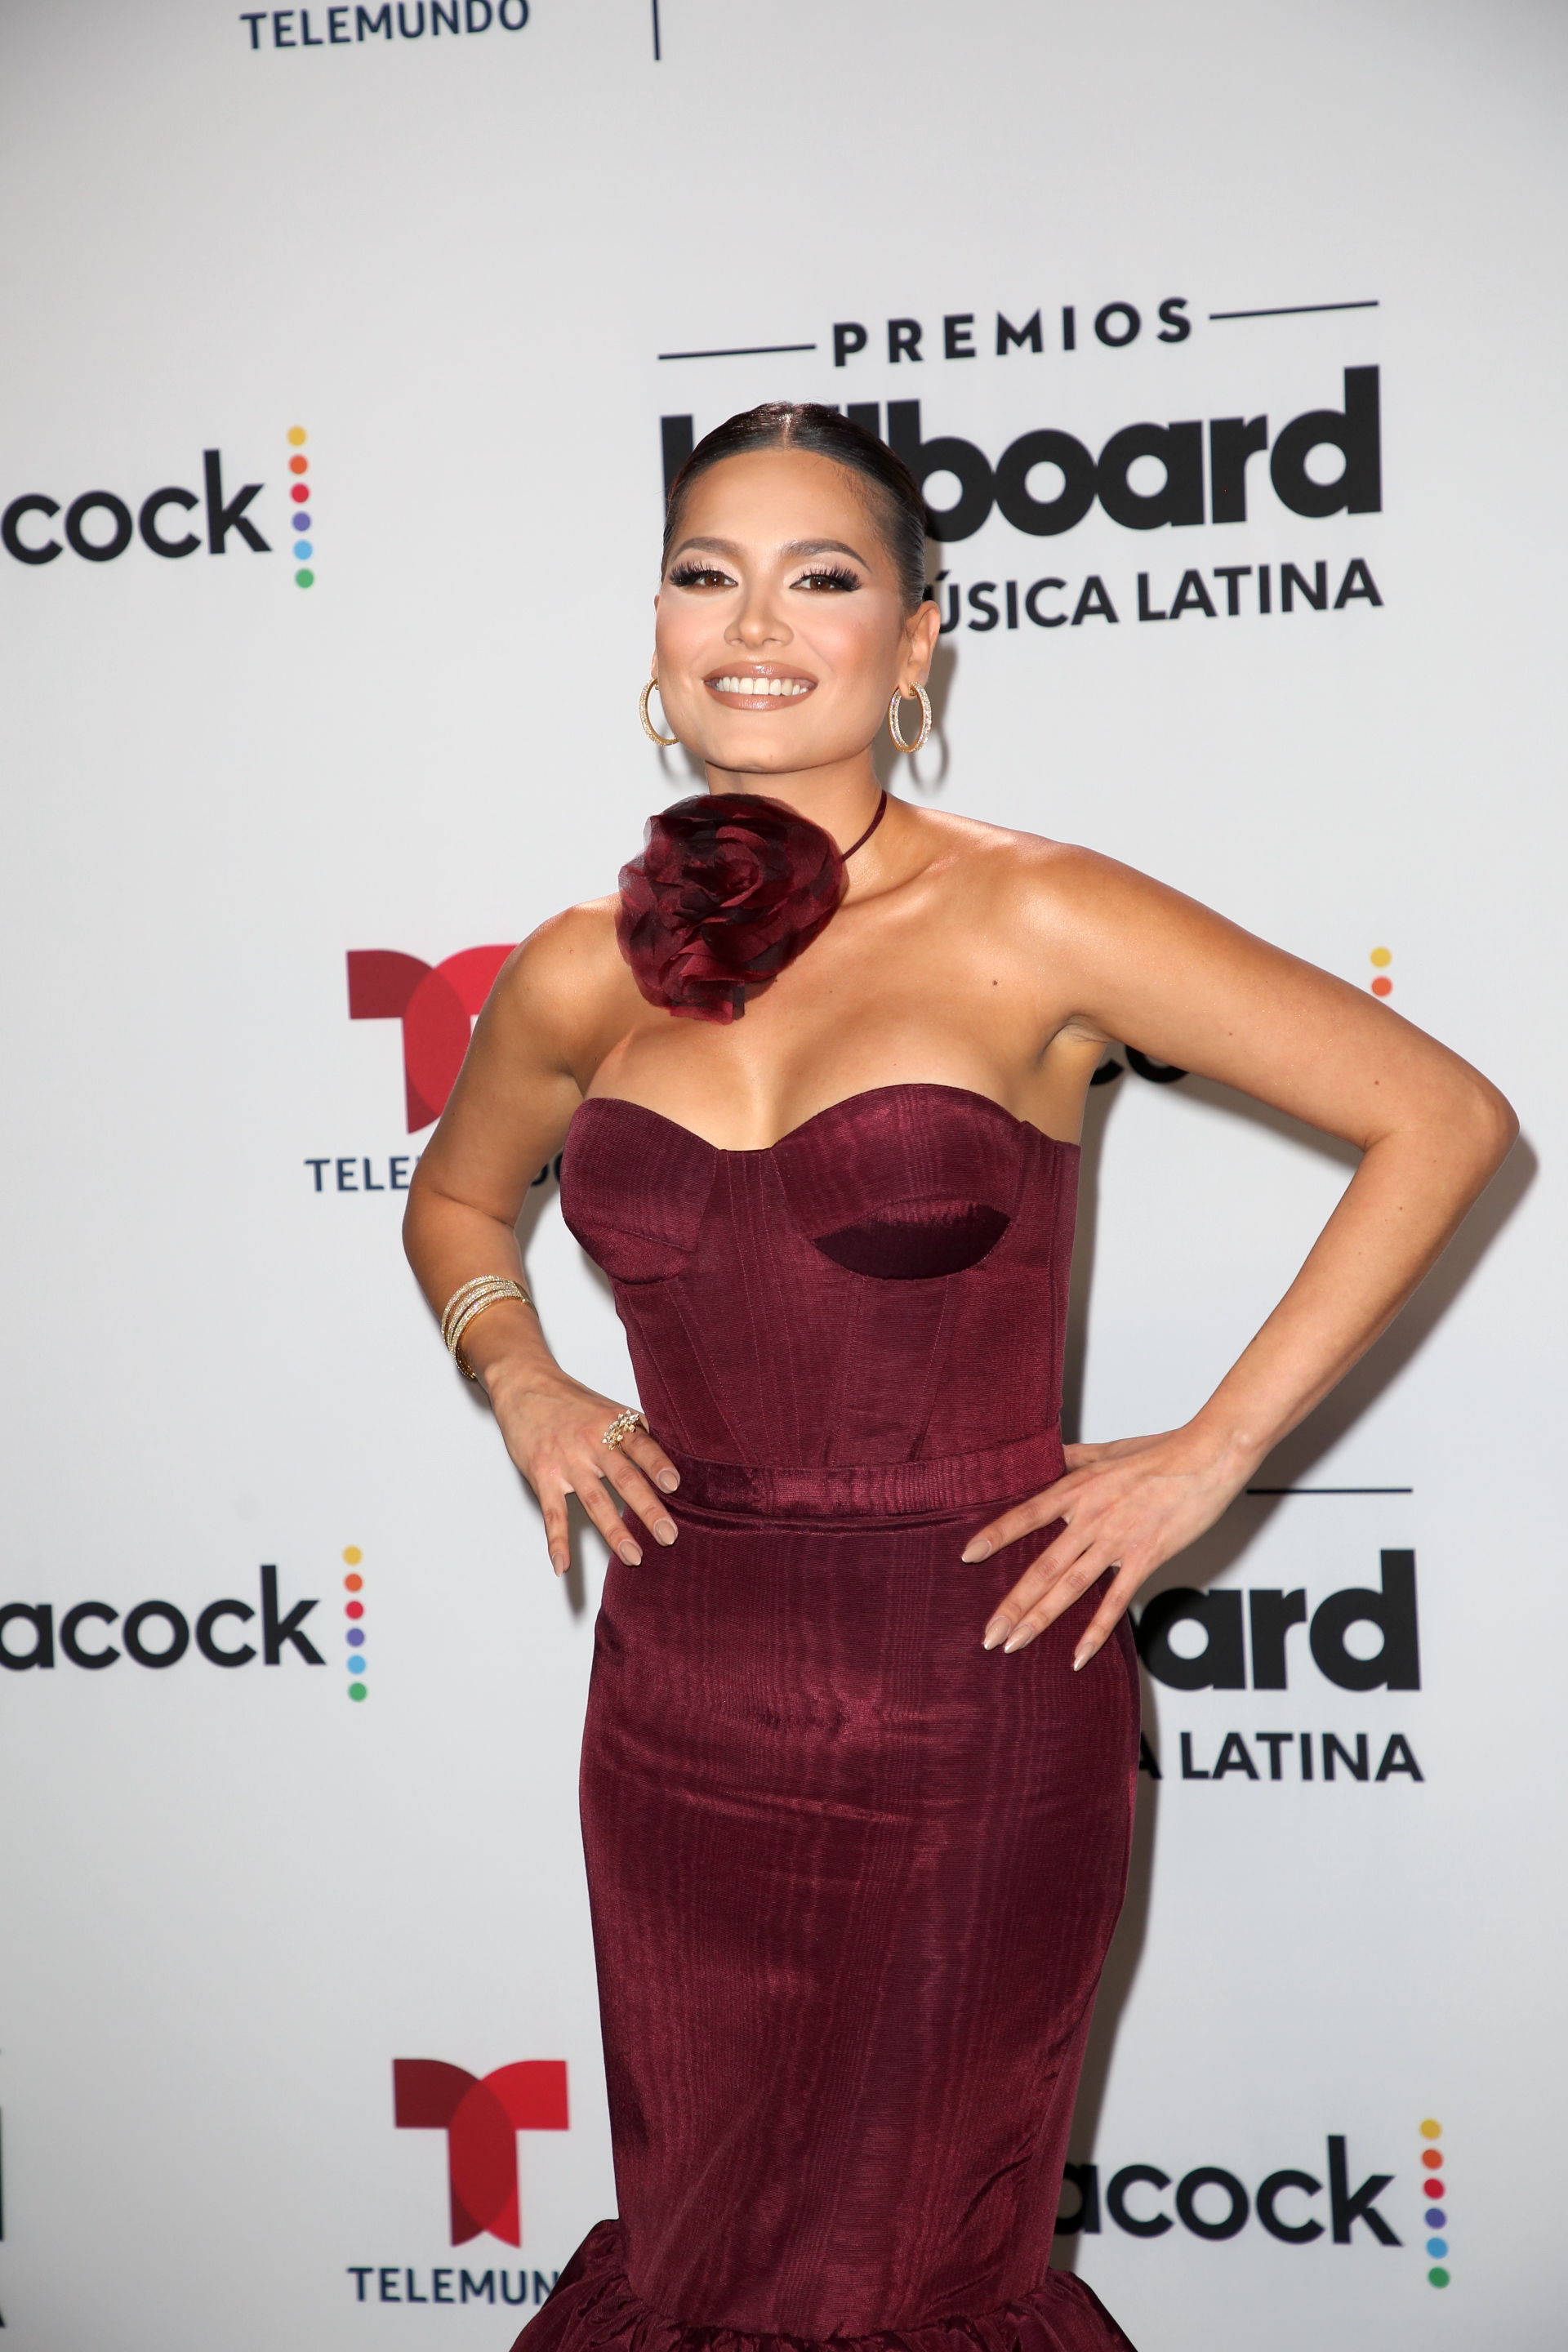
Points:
(669, 1480)
(1081, 1658)
(631, 1554)
(559, 1562)
(1020, 1640)
(996, 1632)
(665, 1531)
(978, 1549)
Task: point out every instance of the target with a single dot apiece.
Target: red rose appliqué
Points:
(728, 891)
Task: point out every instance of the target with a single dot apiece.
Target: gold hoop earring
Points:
(648, 728)
(909, 694)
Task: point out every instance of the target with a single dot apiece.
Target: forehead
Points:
(767, 498)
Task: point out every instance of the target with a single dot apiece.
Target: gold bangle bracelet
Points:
(501, 1285)
(484, 1290)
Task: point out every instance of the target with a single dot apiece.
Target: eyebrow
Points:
(790, 546)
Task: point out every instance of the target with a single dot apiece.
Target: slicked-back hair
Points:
(895, 501)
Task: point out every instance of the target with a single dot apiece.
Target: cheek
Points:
(679, 632)
(853, 639)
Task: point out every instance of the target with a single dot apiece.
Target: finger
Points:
(650, 1455)
(634, 1489)
(595, 1497)
(1040, 1596)
(556, 1529)
(1069, 1587)
(1022, 1520)
(1010, 1612)
(1038, 1580)
(1103, 1623)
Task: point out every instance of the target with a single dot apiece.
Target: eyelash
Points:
(702, 575)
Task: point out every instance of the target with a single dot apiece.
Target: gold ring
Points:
(621, 1428)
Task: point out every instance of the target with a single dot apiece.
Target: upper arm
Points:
(1160, 972)
(542, 1033)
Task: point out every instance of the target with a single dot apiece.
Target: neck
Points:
(842, 798)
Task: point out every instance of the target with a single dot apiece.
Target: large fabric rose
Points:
(728, 891)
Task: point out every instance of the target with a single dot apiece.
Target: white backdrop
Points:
(234, 1895)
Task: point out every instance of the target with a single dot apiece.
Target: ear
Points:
(921, 633)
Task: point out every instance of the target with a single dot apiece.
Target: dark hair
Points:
(808, 425)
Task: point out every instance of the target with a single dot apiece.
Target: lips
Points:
(750, 689)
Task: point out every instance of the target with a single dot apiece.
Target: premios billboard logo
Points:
(1146, 476)
(1013, 484)
(1220, 1630)
(1220, 1663)
(173, 522)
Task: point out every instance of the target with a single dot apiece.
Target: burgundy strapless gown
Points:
(852, 1877)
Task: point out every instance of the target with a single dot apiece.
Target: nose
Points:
(759, 622)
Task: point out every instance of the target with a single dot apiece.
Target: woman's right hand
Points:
(555, 1430)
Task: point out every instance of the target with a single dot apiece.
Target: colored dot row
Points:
(1382, 957)
(353, 1610)
(300, 466)
(1435, 2192)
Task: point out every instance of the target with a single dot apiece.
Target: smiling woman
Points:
(854, 594)
(858, 1774)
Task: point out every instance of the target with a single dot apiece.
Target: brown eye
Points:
(700, 576)
(828, 578)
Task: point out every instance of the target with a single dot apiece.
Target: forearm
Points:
(1409, 1193)
(447, 1242)
(555, 1428)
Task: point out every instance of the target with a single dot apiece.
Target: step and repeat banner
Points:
(349, 350)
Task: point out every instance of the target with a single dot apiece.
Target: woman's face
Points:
(781, 630)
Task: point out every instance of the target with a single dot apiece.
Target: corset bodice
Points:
(886, 1284)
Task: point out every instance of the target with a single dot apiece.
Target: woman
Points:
(859, 1764)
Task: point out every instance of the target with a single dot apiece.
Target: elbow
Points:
(414, 1221)
(1493, 1126)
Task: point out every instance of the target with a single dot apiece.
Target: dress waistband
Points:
(841, 1490)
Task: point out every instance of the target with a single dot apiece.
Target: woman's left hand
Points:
(1131, 1505)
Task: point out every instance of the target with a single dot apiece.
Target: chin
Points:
(764, 759)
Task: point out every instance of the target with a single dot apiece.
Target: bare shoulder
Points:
(565, 983)
(1040, 882)
(567, 949)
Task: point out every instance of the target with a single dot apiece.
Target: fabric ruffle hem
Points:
(594, 2309)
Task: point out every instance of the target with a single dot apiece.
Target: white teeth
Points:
(757, 687)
